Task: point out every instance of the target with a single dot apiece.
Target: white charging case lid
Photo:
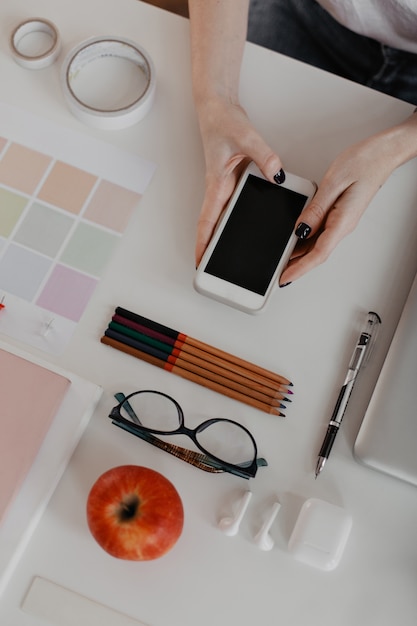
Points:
(320, 534)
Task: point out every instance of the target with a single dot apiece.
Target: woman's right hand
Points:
(230, 142)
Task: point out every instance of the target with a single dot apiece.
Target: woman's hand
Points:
(346, 190)
(230, 142)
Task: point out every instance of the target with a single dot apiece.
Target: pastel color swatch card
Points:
(30, 397)
(65, 201)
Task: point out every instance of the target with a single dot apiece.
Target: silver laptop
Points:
(387, 439)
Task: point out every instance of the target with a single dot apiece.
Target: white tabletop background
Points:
(307, 333)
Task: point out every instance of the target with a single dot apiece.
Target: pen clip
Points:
(371, 328)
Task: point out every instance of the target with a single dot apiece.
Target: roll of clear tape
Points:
(39, 59)
(101, 48)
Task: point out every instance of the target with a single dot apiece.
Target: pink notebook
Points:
(30, 396)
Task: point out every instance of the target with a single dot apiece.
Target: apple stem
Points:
(128, 507)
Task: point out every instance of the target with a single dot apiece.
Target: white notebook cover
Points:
(63, 434)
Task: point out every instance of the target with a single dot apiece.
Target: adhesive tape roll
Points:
(108, 82)
(39, 54)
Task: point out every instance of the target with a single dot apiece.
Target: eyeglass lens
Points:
(152, 410)
(224, 439)
(228, 441)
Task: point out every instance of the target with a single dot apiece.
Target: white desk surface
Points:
(307, 333)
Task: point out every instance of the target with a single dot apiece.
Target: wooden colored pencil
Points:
(129, 329)
(192, 376)
(185, 349)
(174, 361)
(189, 344)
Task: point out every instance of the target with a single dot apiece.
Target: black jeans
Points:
(304, 30)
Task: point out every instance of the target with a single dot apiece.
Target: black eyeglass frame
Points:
(207, 461)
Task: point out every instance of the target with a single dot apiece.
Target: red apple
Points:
(134, 513)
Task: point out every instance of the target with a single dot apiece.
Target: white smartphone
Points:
(253, 241)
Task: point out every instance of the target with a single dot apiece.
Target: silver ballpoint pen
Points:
(362, 349)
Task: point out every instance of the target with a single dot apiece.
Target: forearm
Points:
(401, 141)
(218, 35)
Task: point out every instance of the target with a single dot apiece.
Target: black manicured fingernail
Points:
(279, 177)
(303, 230)
(286, 284)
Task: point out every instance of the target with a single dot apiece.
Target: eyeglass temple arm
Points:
(194, 458)
(120, 397)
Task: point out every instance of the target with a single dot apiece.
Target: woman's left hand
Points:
(346, 190)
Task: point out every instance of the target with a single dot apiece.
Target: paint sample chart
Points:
(65, 201)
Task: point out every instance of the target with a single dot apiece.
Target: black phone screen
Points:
(256, 234)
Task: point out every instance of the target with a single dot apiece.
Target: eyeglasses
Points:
(225, 445)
